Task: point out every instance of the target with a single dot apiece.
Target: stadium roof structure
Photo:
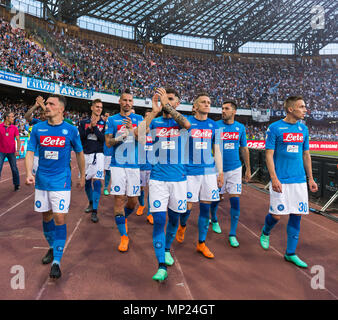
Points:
(308, 24)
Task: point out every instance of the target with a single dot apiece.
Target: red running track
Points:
(93, 268)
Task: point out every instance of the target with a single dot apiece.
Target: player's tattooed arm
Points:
(166, 106)
(178, 117)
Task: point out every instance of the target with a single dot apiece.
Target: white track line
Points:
(38, 297)
(308, 215)
(318, 225)
(185, 283)
(280, 254)
(10, 178)
(11, 208)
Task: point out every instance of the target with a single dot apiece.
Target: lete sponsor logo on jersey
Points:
(164, 132)
(292, 137)
(230, 136)
(53, 141)
(201, 133)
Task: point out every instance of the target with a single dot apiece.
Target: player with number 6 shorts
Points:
(287, 154)
(54, 139)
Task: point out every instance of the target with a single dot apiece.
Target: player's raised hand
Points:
(40, 102)
(128, 123)
(93, 121)
(163, 96)
(155, 103)
(30, 180)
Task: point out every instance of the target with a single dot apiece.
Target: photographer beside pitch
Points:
(287, 154)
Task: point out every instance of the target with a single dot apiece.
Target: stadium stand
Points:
(96, 65)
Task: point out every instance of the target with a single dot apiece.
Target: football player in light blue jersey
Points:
(168, 181)
(125, 170)
(287, 154)
(55, 140)
(233, 141)
(202, 181)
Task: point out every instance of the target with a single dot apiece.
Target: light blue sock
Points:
(213, 210)
(172, 226)
(292, 229)
(159, 236)
(270, 222)
(49, 231)
(89, 190)
(203, 221)
(59, 242)
(234, 214)
(121, 224)
(184, 218)
(107, 178)
(141, 198)
(96, 194)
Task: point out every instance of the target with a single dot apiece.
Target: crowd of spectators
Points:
(100, 67)
(254, 131)
(19, 108)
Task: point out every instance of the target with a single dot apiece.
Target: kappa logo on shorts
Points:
(38, 204)
(59, 248)
(117, 188)
(157, 203)
(189, 195)
(280, 207)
